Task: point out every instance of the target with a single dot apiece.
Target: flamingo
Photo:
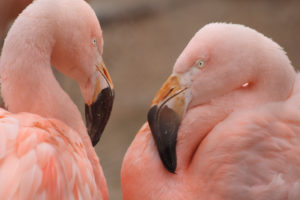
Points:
(225, 124)
(46, 151)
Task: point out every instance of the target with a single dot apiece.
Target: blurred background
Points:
(142, 41)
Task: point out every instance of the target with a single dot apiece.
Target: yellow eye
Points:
(94, 41)
(199, 64)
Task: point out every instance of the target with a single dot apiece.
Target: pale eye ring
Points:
(200, 64)
(94, 41)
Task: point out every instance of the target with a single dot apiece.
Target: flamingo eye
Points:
(94, 41)
(200, 64)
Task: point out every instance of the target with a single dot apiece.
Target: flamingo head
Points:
(220, 60)
(77, 52)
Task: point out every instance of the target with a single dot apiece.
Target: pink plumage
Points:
(44, 159)
(236, 99)
(9, 10)
(45, 148)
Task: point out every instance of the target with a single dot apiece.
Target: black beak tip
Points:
(164, 123)
(170, 166)
(98, 113)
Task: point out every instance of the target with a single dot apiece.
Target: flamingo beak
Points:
(97, 111)
(164, 117)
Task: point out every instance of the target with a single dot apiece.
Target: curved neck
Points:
(273, 86)
(28, 83)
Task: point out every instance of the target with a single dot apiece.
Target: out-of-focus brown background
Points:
(142, 41)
